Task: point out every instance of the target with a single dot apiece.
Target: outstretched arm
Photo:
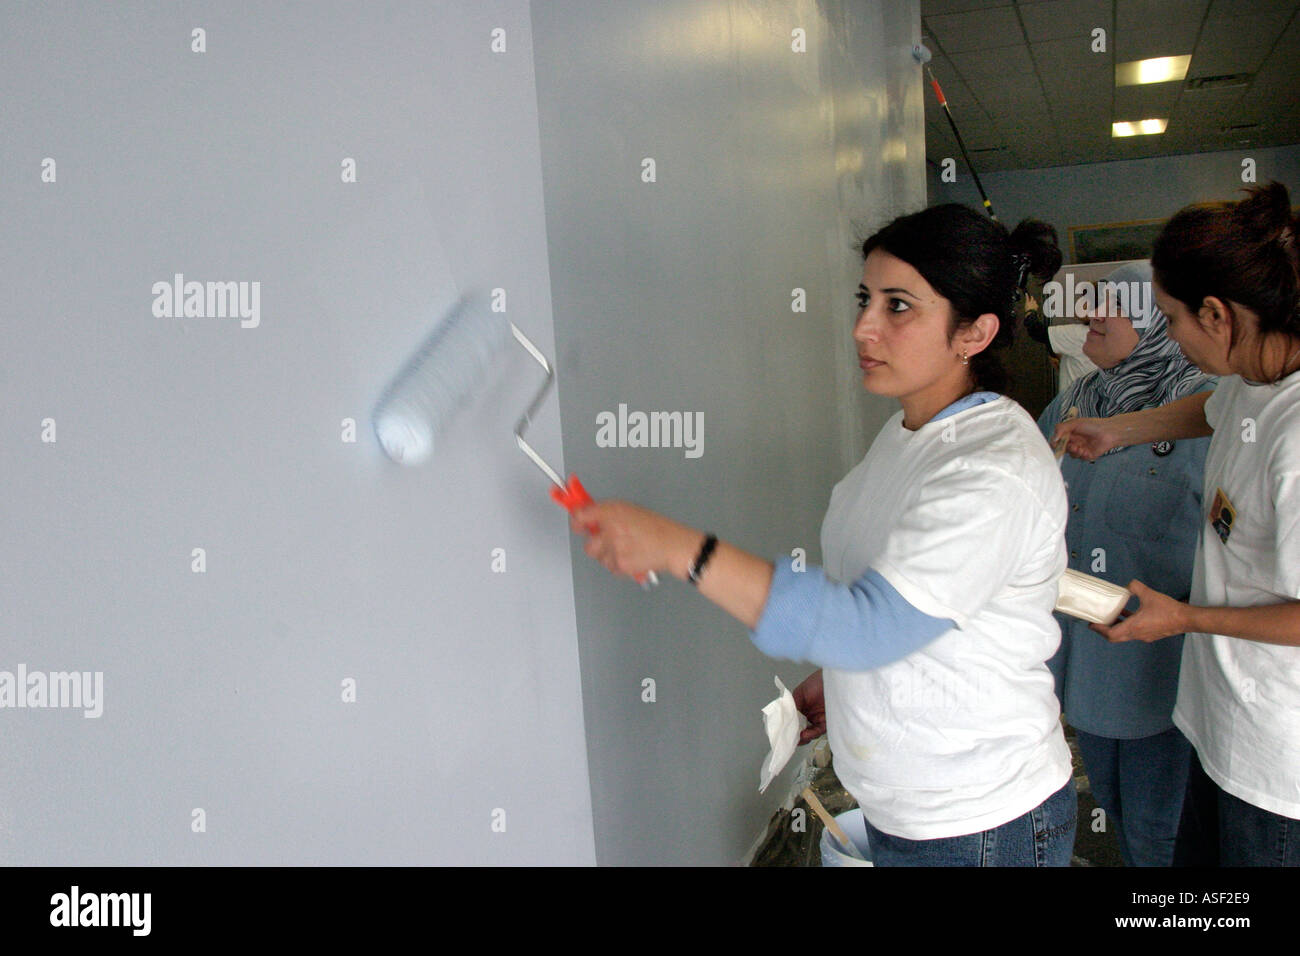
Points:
(1090, 438)
(796, 615)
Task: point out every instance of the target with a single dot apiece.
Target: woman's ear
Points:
(1215, 315)
(977, 336)
(1216, 318)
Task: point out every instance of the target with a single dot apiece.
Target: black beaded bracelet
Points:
(701, 559)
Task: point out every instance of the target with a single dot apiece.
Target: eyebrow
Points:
(891, 289)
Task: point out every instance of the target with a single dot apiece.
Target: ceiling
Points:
(1026, 90)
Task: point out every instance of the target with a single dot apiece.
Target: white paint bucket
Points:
(851, 823)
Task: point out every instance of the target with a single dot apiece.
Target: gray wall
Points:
(676, 296)
(1096, 193)
(326, 562)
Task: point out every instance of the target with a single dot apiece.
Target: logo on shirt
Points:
(1162, 448)
(1222, 515)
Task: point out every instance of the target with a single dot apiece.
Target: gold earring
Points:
(964, 359)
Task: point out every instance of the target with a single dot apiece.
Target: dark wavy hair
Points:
(979, 267)
(1246, 252)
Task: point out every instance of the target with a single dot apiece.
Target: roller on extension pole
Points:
(922, 55)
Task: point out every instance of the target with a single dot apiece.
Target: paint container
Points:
(852, 823)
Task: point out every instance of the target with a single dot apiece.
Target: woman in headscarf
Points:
(1134, 513)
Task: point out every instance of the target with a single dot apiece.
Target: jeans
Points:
(1218, 829)
(1042, 837)
(1140, 784)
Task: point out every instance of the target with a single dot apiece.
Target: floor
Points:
(784, 846)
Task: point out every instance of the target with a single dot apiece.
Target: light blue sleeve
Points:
(853, 627)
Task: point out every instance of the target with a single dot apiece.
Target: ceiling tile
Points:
(1146, 102)
(996, 162)
(932, 7)
(976, 135)
(1178, 39)
(1081, 117)
(1134, 147)
(1089, 128)
(938, 150)
(1036, 155)
(1274, 87)
(1068, 56)
(975, 67)
(1286, 130)
(1092, 78)
(1150, 28)
(1017, 126)
(1290, 39)
(1054, 19)
(1072, 155)
(1145, 14)
(1013, 100)
(1227, 9)
(1209, 109)
(976, 30)
(980, 138)
(1238, 45)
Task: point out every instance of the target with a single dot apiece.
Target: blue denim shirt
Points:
(1139, 511)
(860, 626)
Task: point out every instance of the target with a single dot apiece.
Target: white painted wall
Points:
(325, 561)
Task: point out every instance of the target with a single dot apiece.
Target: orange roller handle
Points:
(573, 496)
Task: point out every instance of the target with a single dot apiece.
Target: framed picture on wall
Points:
(1114, 241)
(1118, 241)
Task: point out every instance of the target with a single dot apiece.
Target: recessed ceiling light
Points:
(1146, 127)
(1161, 69)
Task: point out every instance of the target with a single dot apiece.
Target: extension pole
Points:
(922, 56)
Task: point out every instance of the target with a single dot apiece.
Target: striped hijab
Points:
(1155, 373)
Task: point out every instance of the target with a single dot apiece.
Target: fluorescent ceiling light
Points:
(1161, 69)
(1146, 127)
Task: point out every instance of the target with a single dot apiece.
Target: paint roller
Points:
(922, 55)
(444, 371)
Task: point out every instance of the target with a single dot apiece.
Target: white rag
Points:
(782, 722)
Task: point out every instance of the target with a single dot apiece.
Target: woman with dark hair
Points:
(1133, 514)
(932, 617)
(1228, 277)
